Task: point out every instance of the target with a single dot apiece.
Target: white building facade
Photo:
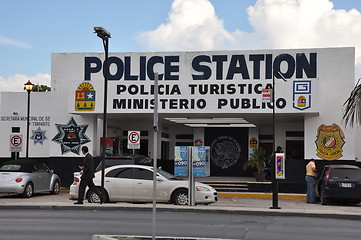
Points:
(219, 99)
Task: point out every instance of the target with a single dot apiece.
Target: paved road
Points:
(255, 205)
(81, 225)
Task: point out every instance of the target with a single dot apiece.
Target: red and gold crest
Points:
(85, 97)
(329, 142)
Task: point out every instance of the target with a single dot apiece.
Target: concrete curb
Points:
(125, 237)
(261, 195)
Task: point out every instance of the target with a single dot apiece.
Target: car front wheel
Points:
(180, 197)
(28, 191)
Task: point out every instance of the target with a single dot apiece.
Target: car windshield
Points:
(339, 173)
(167, 175)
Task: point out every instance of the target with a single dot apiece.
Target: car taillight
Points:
(97, 170)
(76, 180)
(18, 180)
(327, 175)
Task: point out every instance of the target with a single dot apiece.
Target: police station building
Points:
(220, 99)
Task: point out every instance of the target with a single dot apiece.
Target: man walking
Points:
(87, 175)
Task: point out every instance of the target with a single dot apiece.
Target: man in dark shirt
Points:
(87, 175)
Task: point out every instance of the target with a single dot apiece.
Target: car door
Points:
(319, 182)
(143, 186)
(42, 177)
(119, 184)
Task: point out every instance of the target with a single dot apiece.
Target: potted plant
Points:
(257, 160)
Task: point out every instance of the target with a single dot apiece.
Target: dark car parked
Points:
(125, 159)
(339, 182)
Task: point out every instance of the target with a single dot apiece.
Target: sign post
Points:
(16, 143)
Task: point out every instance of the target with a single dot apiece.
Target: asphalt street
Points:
(82, 225)
(252, 203)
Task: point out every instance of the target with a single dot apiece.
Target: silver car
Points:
(27, 177)
(134, 183)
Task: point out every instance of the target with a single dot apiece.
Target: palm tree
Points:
(352, 106)
(257, 160)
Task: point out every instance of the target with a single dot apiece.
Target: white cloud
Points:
(15, 83)
(12, 42)
(194, 25)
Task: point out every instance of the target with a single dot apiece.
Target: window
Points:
(295, 134)
(10, 167)
(184, 136)
(15, 129)
(345, 173)
(144, 174)
(39, 167)
(120, 173)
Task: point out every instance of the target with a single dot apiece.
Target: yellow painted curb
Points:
(284, 196)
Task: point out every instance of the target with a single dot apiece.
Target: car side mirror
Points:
(159, 179)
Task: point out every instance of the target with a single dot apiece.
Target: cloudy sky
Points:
(31, 30)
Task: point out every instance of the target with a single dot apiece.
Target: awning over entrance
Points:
(212, 122)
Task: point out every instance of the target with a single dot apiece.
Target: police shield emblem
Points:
(85, 97)
(301, 95)
(329, 142)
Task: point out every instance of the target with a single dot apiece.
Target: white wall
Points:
(336, 71)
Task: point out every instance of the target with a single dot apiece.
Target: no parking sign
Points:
(133, 139)
(16, 142)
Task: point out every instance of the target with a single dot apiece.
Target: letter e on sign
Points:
(133, 139)
(16, 142)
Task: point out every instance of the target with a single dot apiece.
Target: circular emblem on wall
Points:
(225, 151)
(329, 142)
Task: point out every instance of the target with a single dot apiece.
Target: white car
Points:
(134, 183)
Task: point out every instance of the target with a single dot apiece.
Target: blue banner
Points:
(181, 161)
(199, 160)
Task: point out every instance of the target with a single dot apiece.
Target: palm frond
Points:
(352, 107)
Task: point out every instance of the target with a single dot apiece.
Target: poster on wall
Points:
(280, 166)
(181, 161)
(200, 161)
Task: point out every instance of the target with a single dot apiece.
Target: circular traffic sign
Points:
(134, 137)
(16, 141)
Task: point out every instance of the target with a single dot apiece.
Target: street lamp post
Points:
(273, 168)
(28, 87)
(104, 35)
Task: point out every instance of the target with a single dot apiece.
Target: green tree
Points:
(41, 88)
(352, 106)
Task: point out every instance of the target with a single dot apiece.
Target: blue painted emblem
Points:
(302, 94)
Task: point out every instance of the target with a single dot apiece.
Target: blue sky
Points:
(31, 30)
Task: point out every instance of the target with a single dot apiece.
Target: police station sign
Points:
(211, 82)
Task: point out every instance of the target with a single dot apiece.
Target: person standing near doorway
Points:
(87, 175)
(310, 178)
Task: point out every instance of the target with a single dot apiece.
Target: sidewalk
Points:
(237, 203)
